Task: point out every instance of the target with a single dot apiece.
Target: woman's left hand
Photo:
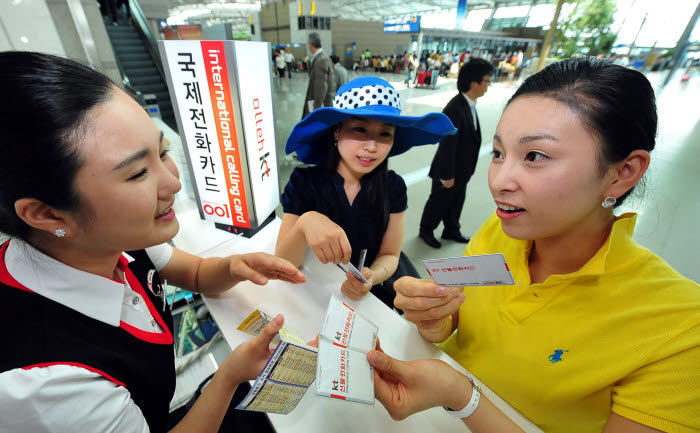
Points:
(354, 288)
(261, 267)
(250, 357)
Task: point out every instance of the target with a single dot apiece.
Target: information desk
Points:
(304, 307)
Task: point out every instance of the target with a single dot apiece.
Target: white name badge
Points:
(484, 270)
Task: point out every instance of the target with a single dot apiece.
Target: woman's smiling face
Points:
(364, 143)
(128, 182)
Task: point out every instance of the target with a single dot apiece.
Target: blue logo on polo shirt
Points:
(556, 356)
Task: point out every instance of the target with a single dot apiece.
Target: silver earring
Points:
(59, 233)
(335, 143)
(609, 202)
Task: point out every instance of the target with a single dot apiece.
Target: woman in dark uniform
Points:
(86, 194)
(350, 201)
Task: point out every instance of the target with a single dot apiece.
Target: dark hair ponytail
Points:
(616, 104)
(42, 115)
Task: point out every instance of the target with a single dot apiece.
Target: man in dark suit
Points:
(455, 160)
(321, 77)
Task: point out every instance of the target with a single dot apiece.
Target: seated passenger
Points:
(598, 333)
(350, 201)
(88, 342)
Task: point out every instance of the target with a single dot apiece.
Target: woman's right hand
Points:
(325, 238)
(425, 303)
(405, 388)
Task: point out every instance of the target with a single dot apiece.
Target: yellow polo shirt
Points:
(622, 333)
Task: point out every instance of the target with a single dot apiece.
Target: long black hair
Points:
(375, 184)
(616, 104)
(43, 114)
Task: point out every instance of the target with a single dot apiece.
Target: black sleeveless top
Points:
(51, 334)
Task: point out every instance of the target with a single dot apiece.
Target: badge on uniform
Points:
(482, 270)
(149, 280)
(161, 289)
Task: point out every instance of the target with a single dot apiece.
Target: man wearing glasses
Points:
(455, 160)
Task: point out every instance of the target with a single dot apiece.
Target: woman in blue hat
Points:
(349, 201)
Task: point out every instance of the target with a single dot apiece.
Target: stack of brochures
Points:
(339, 365)
(288, 373)
(342, 370)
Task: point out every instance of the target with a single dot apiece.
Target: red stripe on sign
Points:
(348, 306)
(339, 345)
(429, 272)
(338, 396)
(220, 94)
(507, 268)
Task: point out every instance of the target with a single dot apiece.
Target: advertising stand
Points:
(221, 94)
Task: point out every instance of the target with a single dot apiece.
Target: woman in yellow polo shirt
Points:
(598, 333)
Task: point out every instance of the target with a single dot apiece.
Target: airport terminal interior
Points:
(660, 39)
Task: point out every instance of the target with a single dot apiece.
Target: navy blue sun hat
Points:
(368, 97)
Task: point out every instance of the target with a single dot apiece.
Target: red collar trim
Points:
(5, 276)
(122, 265)
(79, 365)
(166, 337)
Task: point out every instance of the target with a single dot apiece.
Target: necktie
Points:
(474, 118)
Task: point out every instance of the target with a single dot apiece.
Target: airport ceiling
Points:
(364, 10)
(374, 10)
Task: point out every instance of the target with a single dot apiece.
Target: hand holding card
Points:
(354, 288)
(353, 270)
(425, 303)
(285, 377)
(342, 370)
(482, 270)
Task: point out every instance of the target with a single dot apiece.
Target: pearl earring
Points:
(59, 233)
(609, 202)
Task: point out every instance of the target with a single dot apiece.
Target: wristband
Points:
(470, 408)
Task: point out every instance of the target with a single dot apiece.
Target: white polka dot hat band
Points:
(366, 98)
(373, 94)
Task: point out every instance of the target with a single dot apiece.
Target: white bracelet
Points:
(470, 408)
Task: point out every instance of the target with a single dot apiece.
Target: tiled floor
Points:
(669, 211)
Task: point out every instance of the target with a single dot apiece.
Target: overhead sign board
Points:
(461, 11)
(222, 98)
(402, 25)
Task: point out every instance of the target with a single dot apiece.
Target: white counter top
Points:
(304, 307)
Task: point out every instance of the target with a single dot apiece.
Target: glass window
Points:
(439, 20)
(475, 19)
(664, 25)
(541, 15)
(511, 11)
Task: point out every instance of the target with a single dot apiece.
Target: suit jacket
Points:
(457, 154)
(321, 83)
